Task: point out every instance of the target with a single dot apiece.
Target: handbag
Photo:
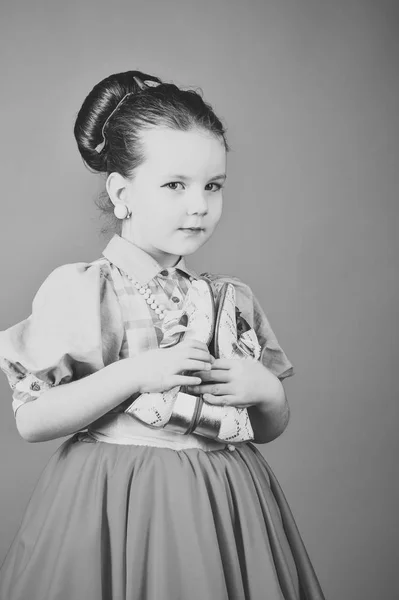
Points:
(220, 325)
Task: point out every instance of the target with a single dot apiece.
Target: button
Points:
(175, 299)
(164, 273)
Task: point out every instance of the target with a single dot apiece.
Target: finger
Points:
(222, 363)
(198, 354)
(225, 400)
(218, 376)
(185, 380)
(213, 389)
(221, 374)
(201, 346)
(214, 376)
(193, 343)
(196, 365)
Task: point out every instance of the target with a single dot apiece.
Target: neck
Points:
(164, 259)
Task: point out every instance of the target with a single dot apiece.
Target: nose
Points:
(197, 204)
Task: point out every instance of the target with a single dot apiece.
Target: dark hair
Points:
(162, 105)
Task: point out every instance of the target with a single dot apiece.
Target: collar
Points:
(137, 263)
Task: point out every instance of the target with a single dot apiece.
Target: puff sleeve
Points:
(272, 355)
(75, 328)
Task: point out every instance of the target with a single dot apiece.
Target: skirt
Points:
(125, 522)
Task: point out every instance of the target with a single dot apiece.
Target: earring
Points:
(121, 211)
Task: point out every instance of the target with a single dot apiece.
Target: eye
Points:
(219, 187)
(173, 183)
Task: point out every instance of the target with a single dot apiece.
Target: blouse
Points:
(76, 327)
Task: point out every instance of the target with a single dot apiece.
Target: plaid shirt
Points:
(86, 316)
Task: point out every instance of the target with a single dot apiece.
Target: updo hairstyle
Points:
(147, 106)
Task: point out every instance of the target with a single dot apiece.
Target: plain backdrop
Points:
(308, 90)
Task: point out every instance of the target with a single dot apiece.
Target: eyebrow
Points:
(184, 178)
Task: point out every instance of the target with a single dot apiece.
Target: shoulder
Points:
(218, 279)
(79, 271)
(244, 293)
(72, 280)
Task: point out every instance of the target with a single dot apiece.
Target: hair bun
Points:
(98, 107)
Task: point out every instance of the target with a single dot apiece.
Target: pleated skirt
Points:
(127, 522)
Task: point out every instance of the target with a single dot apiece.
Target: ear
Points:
(117, 188)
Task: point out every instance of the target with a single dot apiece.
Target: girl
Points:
(124, 510)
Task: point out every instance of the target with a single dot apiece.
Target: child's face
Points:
(162, 202)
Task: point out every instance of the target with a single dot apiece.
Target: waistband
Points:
(122, 428)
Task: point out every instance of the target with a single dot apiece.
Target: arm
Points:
(67, 408)
(269, 419)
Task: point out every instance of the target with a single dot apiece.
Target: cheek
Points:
(153, 209)
(162, 217)
(216, 209)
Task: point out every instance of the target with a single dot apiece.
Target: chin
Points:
(195, 241)
(187, 250)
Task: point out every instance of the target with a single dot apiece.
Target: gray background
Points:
(309, 92)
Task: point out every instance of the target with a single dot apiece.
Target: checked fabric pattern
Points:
(87, 315)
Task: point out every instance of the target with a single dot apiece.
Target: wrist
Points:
(131, 374)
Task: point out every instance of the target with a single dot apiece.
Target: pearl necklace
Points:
(150, 298)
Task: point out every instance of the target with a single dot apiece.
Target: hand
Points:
(161, 369)
(237, 382)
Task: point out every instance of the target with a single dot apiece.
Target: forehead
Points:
(187, 152)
